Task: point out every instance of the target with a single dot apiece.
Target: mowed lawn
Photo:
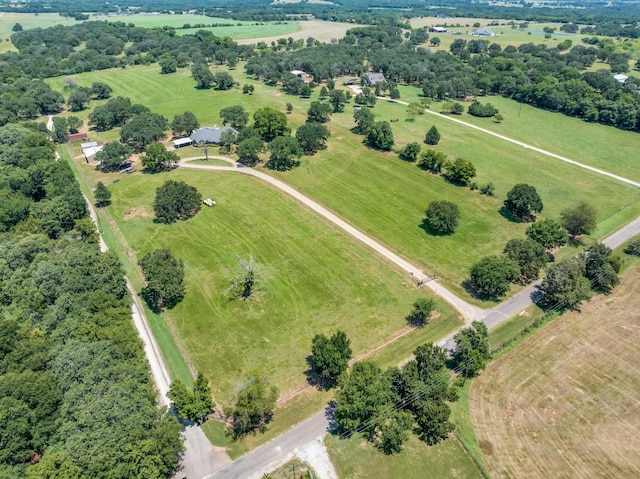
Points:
(313, 279)
(605, 147)
(355, 458)
(381, 194)
(565, 402)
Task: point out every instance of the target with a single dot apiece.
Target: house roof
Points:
(210, 135)
(88, 144)
(620, 77)
(374, 78)
(298, 72)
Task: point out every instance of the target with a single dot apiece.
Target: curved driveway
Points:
(258, 461)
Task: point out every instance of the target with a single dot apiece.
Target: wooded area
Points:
(76, 396)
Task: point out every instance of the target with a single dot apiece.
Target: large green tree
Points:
(380, 136)
(157, 157)
(442, 216)
(433, 136)
(319, 112)
(312, 137)
(549, 233)
(565, 284)
(253, 407)
(461, 172)
(185, 124)
(248, 150)
(601, 268)
(522, 202)
(422, 310)
(284, 153)
(530, 256)
(194, 404)
(364, 119)
(330, 356)
(202, 75)
(410, 152)
(234, 116)
(490, 277)
(164, 277)
(143, 129)
(102, 194)
(270, 123)
(176, 200)
(472, 349)
(579, 219)
(338, 99)
(112, 156)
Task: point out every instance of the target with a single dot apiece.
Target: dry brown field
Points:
(318, 29)
(566, 402)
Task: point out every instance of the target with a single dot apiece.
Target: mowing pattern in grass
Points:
(611, 149)
(564, 403)
(385, 196)
(356, 458)
(314, 279)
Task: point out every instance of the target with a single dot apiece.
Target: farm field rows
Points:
(564, 403)
(385, 196)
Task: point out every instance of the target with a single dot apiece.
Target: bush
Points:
(633, 248)
(433, 136)
(461, 172)
(410, 152)
(478, 109)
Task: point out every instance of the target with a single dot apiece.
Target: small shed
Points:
(76, 136)
(437, 30)
(372, 79)
(180, 142)
(89, 144)
(91, 152)
(300, 74)
(620, 78)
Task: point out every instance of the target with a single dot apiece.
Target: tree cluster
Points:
(253, 407)
(193, 404)
(385, 406)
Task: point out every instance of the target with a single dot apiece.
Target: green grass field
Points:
(588, 143)
(356, 458)
(314, 279)
(385, 196)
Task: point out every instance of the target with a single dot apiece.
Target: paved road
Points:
(261, 458)
(200, 457)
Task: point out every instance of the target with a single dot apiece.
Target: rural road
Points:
(200, 457)
(266, 457)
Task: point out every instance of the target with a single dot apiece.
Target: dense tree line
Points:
(537, 74)
(76, 396)
(57, 51)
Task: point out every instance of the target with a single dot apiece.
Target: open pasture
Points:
(565, 403)
(462, 28)
(605, 147)
(314, 279)
(385, 196)
(356, 458)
